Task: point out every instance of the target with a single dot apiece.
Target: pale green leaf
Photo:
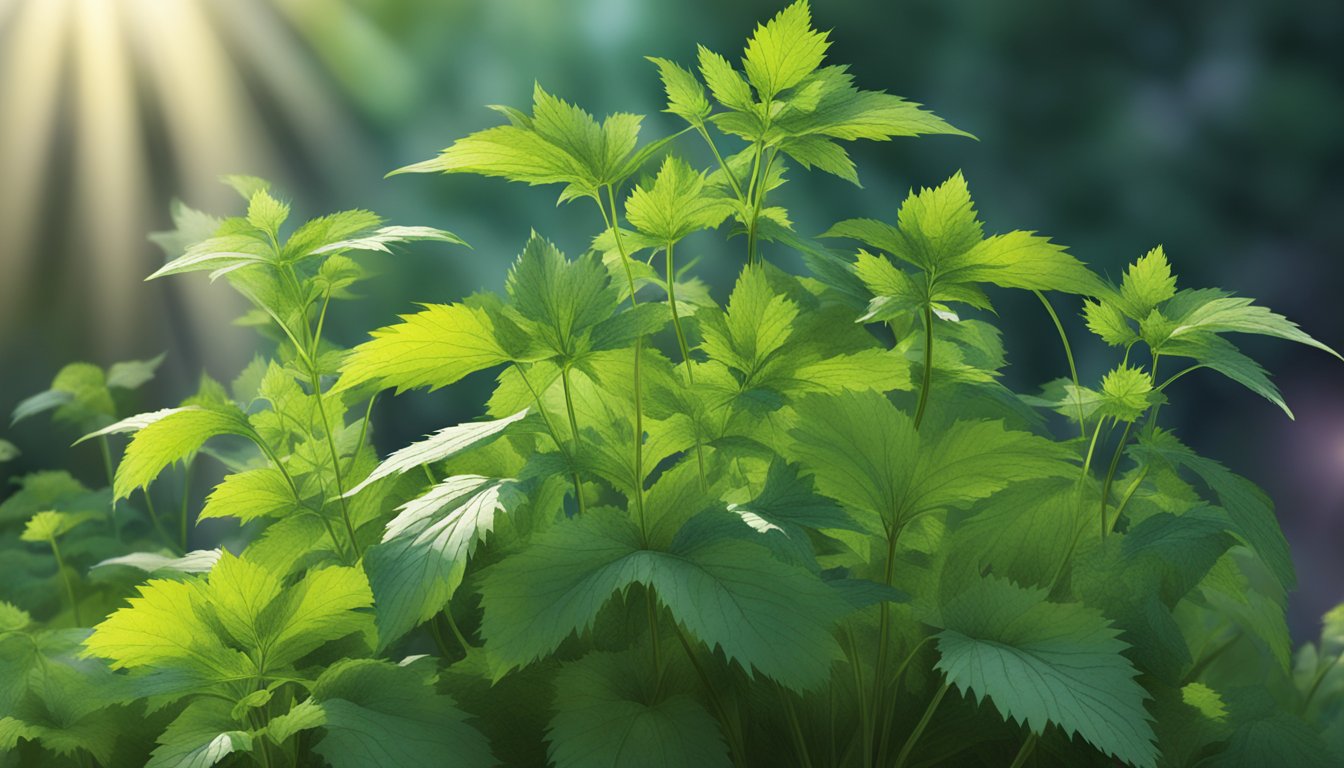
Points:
(172, 438)
(423, 554)
(447, 442)
(132, 373)
(249, 495)
(685, 95)
(725, 83)
(784, 50)
(196, 561)
(676, 204)
(202, 736)
(1147, 283)
(49, 525)
(433, 348)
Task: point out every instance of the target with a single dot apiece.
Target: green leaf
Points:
(249, 495)
(305, 715)
(246, 186)
(1126, 392)
(1026, 261)
(132, 373)
(320, 607)
(676, 204)
(380, 239)
(685, 95)
(39, 403)
(379, 713)
(325, 230)
(730, 594)
(1247, 506)
(133, 423)
(1219, 354)
(725, 83)
(8, 451)
(12, 618)
(172, 438)
(13, 731)
(784, 50)
(224, 252)
(1237, 315)
(561, 301)
(433, 348)
(611, 716)
(1107, 321)
(1147, 283)
(202, 736)
(1043, 663)
(447, 442)
(866, 454)
(266, 213)
(827, 105)
(558, 143)
(49, 526)
(757, 324)
(423, 555)
(196, 561)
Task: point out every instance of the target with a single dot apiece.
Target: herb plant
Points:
(808, 526)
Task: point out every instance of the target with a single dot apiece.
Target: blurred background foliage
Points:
(1215, 128)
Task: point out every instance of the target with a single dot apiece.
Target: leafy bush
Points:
(775, 531)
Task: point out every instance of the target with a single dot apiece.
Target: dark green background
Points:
(1213, 128)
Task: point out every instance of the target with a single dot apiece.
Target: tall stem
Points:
(1068, 353)
(732, 178)
(1025, 752)
(919, 727)
(928, 366)
(154, 518)
(335, 461)
(883, 641)
(574, 431)
(186, 498)
(735, 745)
(756, 205)
(106, 451)
(615, 224)
(555, 434)
(1110, 476)
(685, 352)
(69, 583)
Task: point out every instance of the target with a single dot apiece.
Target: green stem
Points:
(865, 718)
(335, 461)
(639, 353)
(1110, 475)
(728, 172)
(685, 352)
(154, 518)
(437, 634)
(928, 366)
(1124, 500)
(1068, 353)
(1025, 752)
(895, 688)
(184, 522)
(69, 583)
(574, 431)
(106, 450)
(555, 434)
(294, 490)
(456, 630)
(921, 725)
(735, 746)
(363, 433)
(883, 642)
(795, 728)
(651, 603)
(752, 257)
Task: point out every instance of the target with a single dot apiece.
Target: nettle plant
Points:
(775, 531)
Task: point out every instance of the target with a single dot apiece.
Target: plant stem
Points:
(574, 431)
(795, 728)
(106, 450)
(1110, 475)
(728, 172)
(186, 498)
(457, 631)
(756, 206)
(335, 460)
(1025, 752)
(442, 644)
(651, 603)
(615, 224)
(735, 745)
(555, 435)
(1068, 353)
(294, 490)
(883, 641)
(154, 517)
(69, 583)
(921, 725)
(928, 366)
(685, 352)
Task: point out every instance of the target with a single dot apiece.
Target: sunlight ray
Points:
(31, 61)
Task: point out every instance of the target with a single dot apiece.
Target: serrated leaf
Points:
(49, 525)
(784, 50)
(1107, 321)
(1147, 283)
(756, 325)
(378, 713)
(134, 423)
(169, 439)
(266, 213)
(685, 95)
(1237, 315)
(729, 594)
(380, 239)
(249, 495)
(866, 454)
(611, 717)
(1126, 392)
(561, 300)
(447, 442)
(225, 252)
(12, 618)
(433, 348)
(202, 736)
(725, 83)
(1046, 663)
(305, 715)
(676, 204)
(423, 554)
